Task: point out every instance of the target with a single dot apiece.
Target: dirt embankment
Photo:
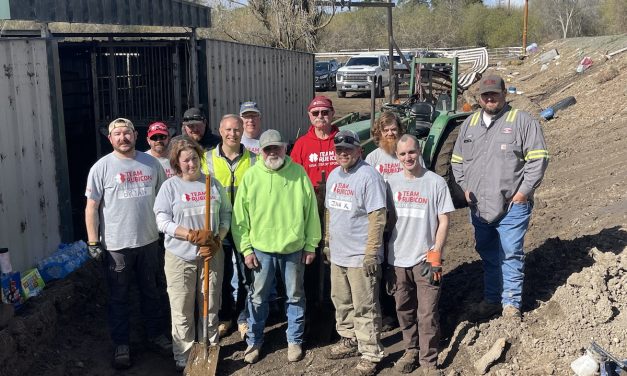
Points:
(576, 270)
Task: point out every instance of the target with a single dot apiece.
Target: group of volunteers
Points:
(380, 223)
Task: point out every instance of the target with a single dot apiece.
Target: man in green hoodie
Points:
(276, 227)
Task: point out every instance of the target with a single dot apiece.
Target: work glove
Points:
(202, 238)
(96, 251)
(210, 250)
(432, 267)
(326, 251)
(370, 265)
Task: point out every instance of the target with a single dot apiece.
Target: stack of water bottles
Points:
(66, 259)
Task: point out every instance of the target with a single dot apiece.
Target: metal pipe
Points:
(525, 23)
(392, 80)
(372, 100)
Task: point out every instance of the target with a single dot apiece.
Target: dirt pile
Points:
(592, 305)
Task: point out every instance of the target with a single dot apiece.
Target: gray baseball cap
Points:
(271, 137)
(347, 139)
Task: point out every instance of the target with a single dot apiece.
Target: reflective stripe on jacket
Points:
(495, 162)
(229, 175)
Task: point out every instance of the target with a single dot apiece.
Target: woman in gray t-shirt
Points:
(180, 211)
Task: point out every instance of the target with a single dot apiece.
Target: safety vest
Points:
(229, 175)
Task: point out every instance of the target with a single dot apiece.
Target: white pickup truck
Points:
(357, 74)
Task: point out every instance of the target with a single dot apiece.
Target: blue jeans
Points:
(292, 272)
(500, 245)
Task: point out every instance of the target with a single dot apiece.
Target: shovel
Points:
(203, 357)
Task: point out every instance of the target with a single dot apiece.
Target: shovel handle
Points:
(205, 284)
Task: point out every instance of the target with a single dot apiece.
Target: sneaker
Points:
(431, 371)
(364, 368)
(223, 328)
(511, 312)
(346, 348)
(180, 365)
(161, 345)
(408, 362)
(484, 310)
(251, 355)
(294, 352)
(122, 357)
(242, 328)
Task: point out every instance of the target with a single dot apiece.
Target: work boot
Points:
(511, 312)
(242, 328)
(251, 355)
(431, 371)
(484, 310)
(345, 348)
(294, 352)
(161, 345)
(364, 368)
(223, 328)
(122, 357)
(408, 362)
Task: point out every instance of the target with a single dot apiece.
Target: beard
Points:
(274, 163)
(388, 145)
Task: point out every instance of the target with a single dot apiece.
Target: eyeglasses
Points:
(345, 139)
(158, 137)
(321, 112)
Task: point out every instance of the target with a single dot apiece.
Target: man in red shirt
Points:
(315, 150)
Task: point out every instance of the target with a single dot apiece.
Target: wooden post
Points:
(525, 21)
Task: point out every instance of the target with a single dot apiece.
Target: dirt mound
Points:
(591, 305)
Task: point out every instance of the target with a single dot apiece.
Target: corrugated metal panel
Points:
(280, 81)
(113, 12)
(29, 213)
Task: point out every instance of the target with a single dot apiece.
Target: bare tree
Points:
(289, 24)
(563, 12)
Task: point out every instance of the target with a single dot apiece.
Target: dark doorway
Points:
(142, 81)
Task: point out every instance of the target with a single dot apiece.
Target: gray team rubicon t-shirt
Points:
(386, 164)
(126, 189)
(417, 204)
(182, 203)
(350, 196)
(165, 163)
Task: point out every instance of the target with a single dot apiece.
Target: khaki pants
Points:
(357, 311)
(417, 311)
(184, 279)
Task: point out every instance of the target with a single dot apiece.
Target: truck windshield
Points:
(372, 61)
(322, 67)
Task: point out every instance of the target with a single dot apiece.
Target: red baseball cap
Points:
(157, 128)
(320, 101)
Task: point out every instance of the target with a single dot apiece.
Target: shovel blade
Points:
(203, 360)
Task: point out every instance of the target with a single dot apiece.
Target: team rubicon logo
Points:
(193, 197)
(342, 189)
(389, 168)
(136, 176)
(410, 197)
(313, 157)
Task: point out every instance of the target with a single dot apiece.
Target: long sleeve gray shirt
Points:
(496, 161)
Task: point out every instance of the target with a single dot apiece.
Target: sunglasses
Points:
(158, 137)
(194, 118)
(322, 112)
(345, 139)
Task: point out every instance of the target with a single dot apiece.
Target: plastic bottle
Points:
(5, 261)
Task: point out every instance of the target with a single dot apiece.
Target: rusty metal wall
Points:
(29, 196)
(280, 81)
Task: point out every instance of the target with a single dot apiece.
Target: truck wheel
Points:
(443, 168)
(341, 94)
(379, 91)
